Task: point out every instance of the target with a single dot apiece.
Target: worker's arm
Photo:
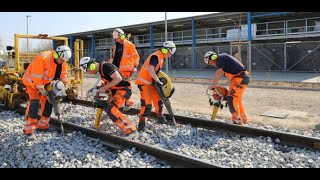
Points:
(152, 73)
(37, 70)
(151, 68)
(135, 57)
(217, 76)
(116, 79)
(64, 73)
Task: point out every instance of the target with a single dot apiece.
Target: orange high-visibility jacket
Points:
(130, 57)
(143, 77)
(42, 69)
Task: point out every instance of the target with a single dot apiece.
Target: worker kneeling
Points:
(44, 68)
(146, 79)
(119, 87)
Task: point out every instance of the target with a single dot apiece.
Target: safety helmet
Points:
(210, 55)
(170, 46)
(118, 33)
(63, 52)
(87, 62)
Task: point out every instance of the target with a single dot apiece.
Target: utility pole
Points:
(28, 38)
(166, 39)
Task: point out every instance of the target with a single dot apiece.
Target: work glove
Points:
(160, 83)
(92, 93)
(43, 92)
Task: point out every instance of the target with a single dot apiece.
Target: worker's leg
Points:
(118, 99)
(157, 104)
(32, 110)
(46, 110)
(129, 102)
(244, 83)
(234, 99)
(145, 98)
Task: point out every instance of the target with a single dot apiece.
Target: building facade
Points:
(276, 41)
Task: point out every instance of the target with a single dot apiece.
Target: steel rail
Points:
(284, 137)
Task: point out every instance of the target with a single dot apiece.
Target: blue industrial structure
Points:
(214, 32)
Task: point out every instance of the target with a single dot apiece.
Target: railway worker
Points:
(125, 58)
(44, 68)
(145, 81)
(238, 80)
(119, 87)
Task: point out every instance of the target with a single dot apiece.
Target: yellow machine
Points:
(12, 90)
(218, 95)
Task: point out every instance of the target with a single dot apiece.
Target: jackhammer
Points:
(55, 92)
(218, 95)
(165, 92)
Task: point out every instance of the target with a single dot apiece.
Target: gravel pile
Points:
(52, 150)
(220, 148)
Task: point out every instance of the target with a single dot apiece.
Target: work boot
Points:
(244, 118)
(162, 120)
(237, 120)
(133, 136)
(31, 137)
(141, 126)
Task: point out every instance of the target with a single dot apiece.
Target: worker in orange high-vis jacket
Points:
(120, 91)
(238, 80)
(44, 68)
(125, 58)
(145, 81)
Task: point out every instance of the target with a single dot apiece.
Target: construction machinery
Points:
(165, 92)
(12, 90)
(216, 98)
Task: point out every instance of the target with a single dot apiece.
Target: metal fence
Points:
(290, 56)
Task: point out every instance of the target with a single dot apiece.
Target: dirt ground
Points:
(302, 106)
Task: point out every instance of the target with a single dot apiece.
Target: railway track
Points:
(282, 137)
(170, 157)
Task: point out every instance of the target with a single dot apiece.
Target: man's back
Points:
(229, 64)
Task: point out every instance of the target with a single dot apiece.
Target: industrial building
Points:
(278, 41)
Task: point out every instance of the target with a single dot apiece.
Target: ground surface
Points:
(302, 106)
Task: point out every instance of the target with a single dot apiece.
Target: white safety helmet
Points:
(210, 55)
(118, 33)
(170, 46)
(85, 62)
(63, 52)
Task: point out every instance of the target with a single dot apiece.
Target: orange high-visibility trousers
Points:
(31, 114)
(114, 103)
(238, 84)
(148, 95)
(127, 75)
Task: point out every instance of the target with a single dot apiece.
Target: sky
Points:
(57, 23)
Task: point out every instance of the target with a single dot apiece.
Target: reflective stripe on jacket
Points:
(42, 69)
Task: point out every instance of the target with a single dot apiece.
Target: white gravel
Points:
(52, 150)
(221, 148)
